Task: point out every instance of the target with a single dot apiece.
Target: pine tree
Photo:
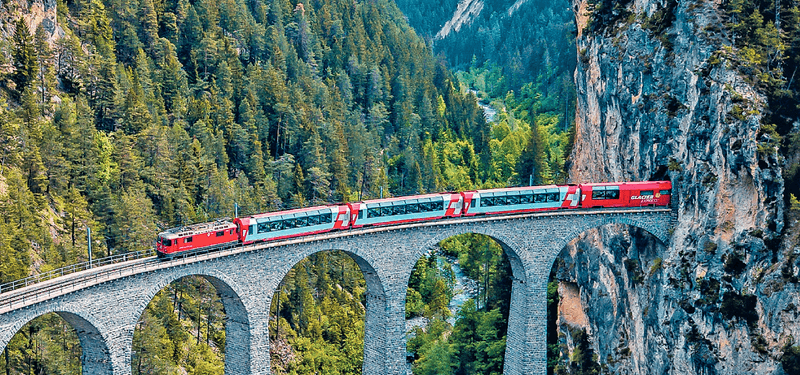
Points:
(24, 55)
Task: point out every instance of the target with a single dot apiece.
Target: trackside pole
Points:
(89, 243)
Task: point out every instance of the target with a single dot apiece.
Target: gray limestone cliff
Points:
(657, 98)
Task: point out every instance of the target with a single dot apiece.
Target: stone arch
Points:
(375, 318)
(95, 354)
(509, 245)
(237, 322)
(644, 222)
(521, 268)
(656, 225)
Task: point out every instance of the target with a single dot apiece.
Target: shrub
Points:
(656, 266)
(740, 306)
(790, 360)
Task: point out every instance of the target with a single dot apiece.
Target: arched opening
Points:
(196, 324)
(56, 343)
(600, 301)
(457, 307)
(318, 314)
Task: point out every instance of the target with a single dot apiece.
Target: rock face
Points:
(34, 12)
(657, 98)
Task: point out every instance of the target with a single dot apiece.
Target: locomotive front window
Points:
(166, 242)
(220, 233)
(187, 240)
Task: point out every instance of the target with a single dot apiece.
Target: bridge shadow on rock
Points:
(601, 305)
(196, 324)
(318, 314)
(55, 343)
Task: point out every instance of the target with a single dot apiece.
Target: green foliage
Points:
(790, 360)
(45, 345)
(319, 313)
(24, 57)
(476, 344)
(739, 305)
(583, 359)
(794, 203)
(656, 266)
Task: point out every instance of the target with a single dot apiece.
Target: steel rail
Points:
(67, 283)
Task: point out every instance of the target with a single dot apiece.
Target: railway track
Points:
(31, 290)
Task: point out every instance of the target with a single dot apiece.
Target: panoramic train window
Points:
(646, 192)
(605, 194)
(554, 197)
(664, 192)
(275, 225)
(264, 227)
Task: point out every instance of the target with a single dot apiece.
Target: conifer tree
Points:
(24, 55)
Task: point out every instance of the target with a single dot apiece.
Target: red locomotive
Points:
(307, 221)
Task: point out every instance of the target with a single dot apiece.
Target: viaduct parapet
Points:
(104, 308)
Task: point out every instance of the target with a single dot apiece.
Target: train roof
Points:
(404, 198)
(192, 229)
(518, 188)
(632, 183)
(289, 212)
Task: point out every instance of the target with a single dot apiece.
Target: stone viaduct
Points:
(104, 310)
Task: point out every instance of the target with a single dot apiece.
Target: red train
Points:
(319, 219)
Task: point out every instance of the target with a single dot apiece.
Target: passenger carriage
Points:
(520, 199)
(292, 223)
(406, 209)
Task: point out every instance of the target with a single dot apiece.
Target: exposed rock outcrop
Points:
(35, 13)
(656, 98)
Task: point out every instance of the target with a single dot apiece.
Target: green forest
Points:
(147, 115)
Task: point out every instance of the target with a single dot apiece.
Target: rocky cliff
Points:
(657, 97)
